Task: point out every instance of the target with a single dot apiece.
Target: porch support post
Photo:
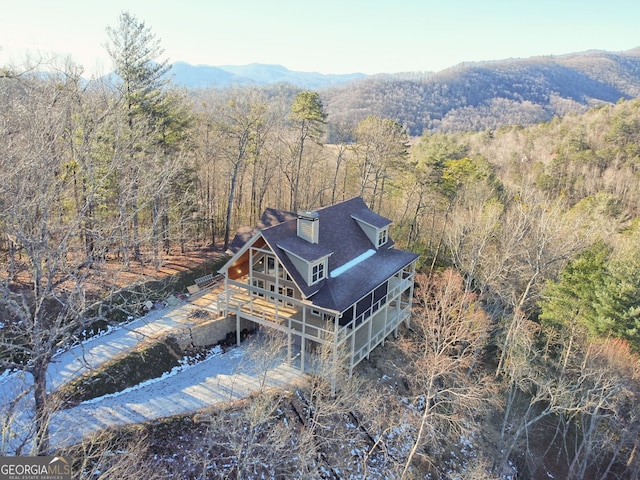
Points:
(353, 341)
(289, 340)
(412, 274)
(251, 266)
(238, 326)
(396, 320)
(334, 366)
(369, 331)
(386, 318)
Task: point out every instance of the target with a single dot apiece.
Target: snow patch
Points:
(185, 364)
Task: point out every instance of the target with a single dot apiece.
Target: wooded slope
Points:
(477, 96)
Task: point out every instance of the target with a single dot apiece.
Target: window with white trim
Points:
(317, 272)
(287, 292)
(271, 265)
(258, 264)
(259, 284)
(282, 273)
(318, 313)
(383, 236)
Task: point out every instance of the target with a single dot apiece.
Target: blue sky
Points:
(328, 36)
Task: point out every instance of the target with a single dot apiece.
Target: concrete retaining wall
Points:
(210, 332)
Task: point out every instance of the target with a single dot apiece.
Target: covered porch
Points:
(357, 331)
(306, 327)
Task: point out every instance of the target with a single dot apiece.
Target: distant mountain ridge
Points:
(205, 76)
(469, 96)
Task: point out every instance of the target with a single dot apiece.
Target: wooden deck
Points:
(270, 312)
(304, 327)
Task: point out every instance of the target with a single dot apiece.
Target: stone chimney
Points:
(308, 225)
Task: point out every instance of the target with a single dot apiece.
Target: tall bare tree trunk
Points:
(232, 188)
(42, 411)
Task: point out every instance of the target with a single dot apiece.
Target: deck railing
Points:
(244, 300)
(289, 315)
(393, 293)
(378, 337)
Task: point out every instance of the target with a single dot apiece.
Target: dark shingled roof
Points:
(270, 217)
(372, 218)
(340, 237)
(309, 252)
(341, 292)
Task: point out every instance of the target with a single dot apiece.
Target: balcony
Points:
(282, 313)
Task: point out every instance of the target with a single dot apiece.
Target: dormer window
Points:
(374, 226)
(383, 236)
(317, 272)
(309, 259)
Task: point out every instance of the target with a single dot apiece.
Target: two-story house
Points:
(327, 277)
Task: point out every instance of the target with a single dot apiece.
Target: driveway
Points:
(94, 352)
(220, 378)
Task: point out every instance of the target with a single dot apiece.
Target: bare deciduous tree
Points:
(44, 297)
(446, 372)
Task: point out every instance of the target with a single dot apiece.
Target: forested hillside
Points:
(478, 96)
(522, 355)
(469, 96)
